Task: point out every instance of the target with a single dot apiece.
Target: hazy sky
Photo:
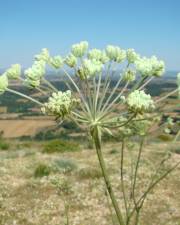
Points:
(149, 26)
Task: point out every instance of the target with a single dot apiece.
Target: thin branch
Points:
(166, 96)
(24, 96)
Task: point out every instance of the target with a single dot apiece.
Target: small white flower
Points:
(35, 73)
(150, 66)
(78, 50)
(43, 56)
(98, 55)
(71, 60)
(115, 53)
(129, 75)
(14, 72)
(89, 68)
(139, 102)
(60, 104)
(56, 62)
(3, 83)
(131, 55)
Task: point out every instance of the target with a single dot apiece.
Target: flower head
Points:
(35, 73)
(60, 104)
(115, 53)
(129, 75)
(14, 72)
(78, 50)
(56, 62)
(139, 102)
(43, 56)
(131, 55)
(150, 66)
(89, 68)
(98, 55)
(3, 83)
(71, 60)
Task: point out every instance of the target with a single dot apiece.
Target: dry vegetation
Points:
(23, 127)
(36, 187)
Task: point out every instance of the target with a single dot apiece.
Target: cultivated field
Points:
(24, 127)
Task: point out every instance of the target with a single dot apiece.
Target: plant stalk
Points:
(96, 137)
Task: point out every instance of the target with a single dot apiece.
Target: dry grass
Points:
(23, 127)
(26, 200)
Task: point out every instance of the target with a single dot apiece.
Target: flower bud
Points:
(139, 102)
(129, 75)
(71, 60)
(89, 68)
(32, 83)
(98, 55)
(14, 72)
(131, 55)
(56, 62)
(115, 53)
(35, 73)
(3, 83)
(78, 50)
(43, 56)
(150, 66)
(60, 104)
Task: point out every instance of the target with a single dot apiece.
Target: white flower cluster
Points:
(131, 55)
(3, 83)
(78, 50)
(89, 68)
(71, 60)
(56, 61)
(14, 71)
(35, 73)
(129, 75)
(98, 55)
(115, 53)
(43, 56)
(139, 102)
(150, 66)
(60, 104)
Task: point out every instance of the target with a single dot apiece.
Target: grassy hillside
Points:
(36, 187)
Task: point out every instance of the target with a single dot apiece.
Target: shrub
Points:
(165, 137)
(89, 173)
(42, 170)
(113, 151)
(61, 146)
(64, 165)
(4, 145)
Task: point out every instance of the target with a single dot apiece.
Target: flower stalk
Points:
(95, 133)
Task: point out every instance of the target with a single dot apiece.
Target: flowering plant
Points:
(122, 111)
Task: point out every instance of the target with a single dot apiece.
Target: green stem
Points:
(177, 136)
(122, 177)
(136, 172)
(141, 200)
(97, 140)
(137, 217)
(109, 206)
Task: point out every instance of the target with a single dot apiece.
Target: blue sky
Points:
(149, 26)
